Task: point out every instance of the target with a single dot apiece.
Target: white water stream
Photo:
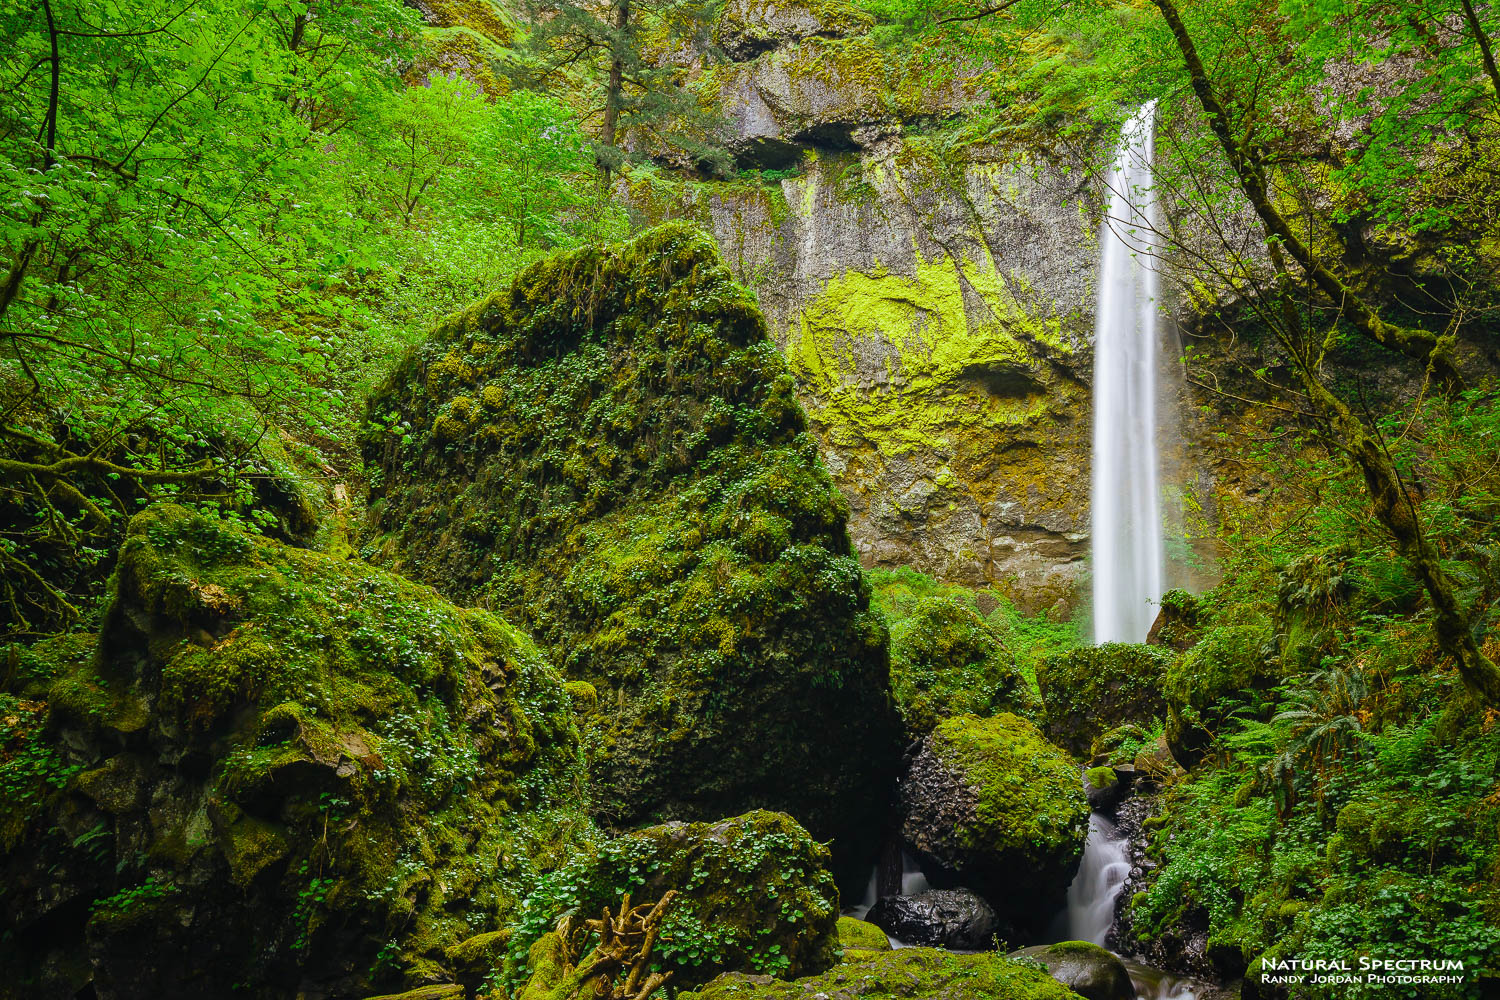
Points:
(1126, 511)
(1092, 894)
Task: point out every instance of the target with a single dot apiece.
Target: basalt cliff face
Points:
(934, 299)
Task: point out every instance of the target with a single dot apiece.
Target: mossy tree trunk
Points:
(1395, 510)
(1389, 498)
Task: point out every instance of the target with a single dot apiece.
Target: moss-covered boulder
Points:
(861, 934)
(1230, 669)
(905, 973)
(754, 895)
(1091, 690)
(1177, 623)
(1086, 969)
(612, 451)
(277, 773)
(991, 804)
(946, 660)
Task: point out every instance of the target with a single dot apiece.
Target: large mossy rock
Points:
(904, 973)
(1085, 968)
(1091, 690)
(1230, 670)
(612, 452)
(991, 804)
(279, 773)
(947, 660)
(754, 894)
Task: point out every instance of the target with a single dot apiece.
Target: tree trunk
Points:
(615, 87)
(1394, 509)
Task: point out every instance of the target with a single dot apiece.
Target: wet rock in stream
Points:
(1084, 968)
(944, 918)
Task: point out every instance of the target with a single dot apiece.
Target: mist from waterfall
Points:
(1126, 512)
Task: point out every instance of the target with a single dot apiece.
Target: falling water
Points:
(1127, 563)
(1101, 874)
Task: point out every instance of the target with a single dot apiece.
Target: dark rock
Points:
(1084, 968)
(945, 918)
(990, 804)
(1106, 787)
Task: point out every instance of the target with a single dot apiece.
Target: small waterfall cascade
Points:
(1092, 894)
(1126, 511)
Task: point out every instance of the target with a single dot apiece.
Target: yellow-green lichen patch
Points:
(901, 360)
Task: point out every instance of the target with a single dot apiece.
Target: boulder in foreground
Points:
(278, 773)
(906, 973)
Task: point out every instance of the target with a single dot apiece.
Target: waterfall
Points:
(1126, 514)
(1101, 874)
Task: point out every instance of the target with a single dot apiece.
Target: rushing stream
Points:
(1090, 914)
(1091, 896)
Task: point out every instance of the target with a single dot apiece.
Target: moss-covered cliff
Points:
(611, 451)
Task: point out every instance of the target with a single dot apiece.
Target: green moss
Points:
(1096, 688)
(639, 483)
(946, 660)
(1100, 778)
(754, 891)
(1228, 659)
(345, 768)
(1030, 801)
(902, 973)
(1231, 667)
(862, 934)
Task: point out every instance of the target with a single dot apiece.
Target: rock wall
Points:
(936, 316)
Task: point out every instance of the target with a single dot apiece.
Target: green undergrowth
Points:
(754, 895)
(1346, 799)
